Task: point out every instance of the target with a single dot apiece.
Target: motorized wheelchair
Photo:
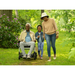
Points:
(33, 55)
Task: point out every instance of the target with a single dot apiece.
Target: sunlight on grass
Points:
(10, 56)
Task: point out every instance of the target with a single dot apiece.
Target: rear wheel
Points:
(20, 55)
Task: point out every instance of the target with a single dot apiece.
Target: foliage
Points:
(70, 40)
(65, 19)
(9, 32)
(61, 53)
(31, 16)
(72, 53)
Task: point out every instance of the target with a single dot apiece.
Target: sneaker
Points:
(54, 58)
(49, 60)
(28, 56)
(39, 55)
(24, 56)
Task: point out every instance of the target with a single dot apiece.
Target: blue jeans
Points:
(52, 39)
(40, 48)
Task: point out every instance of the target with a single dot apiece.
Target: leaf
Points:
(72, 53)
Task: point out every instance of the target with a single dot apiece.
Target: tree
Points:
(7, 12)
(42, 11)
(31, 16)
(41, 14)
(16, 13)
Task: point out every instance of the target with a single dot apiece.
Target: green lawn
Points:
(10, 56)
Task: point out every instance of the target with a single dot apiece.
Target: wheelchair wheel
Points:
(19, 58)
(35, 55)
(20, 55)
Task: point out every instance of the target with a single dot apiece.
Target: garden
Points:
(10, 31)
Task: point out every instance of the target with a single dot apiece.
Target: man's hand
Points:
(56, 37)
(34, 40)
(38, 36)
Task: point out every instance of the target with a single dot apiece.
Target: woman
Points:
(50, 33)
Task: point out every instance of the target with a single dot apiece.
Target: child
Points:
(40, 39)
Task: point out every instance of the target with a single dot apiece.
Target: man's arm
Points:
(34, 37)
(20, 38)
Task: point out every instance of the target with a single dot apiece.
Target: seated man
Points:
(27, 38)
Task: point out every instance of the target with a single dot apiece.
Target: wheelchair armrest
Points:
(18, 41)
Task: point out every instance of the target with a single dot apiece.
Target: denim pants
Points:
(50, 39)
(40, 48)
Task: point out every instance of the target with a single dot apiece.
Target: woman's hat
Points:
(44, 15)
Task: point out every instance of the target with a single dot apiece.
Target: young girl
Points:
(40, 39)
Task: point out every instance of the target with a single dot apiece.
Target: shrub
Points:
(9, 32)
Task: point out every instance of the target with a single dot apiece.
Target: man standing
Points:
(27, 38)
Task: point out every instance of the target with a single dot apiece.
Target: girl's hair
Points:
(38, 26)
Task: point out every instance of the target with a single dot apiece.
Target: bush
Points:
(9, 32)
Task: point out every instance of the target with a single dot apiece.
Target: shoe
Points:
(54, 58)
(41, 58)
(39, 55)
(49, 60)
(24, 56)
(28, 56)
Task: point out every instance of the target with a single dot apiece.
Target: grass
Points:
(10, 56)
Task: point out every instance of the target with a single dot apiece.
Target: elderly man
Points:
(27, 38)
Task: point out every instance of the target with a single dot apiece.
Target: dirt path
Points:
(38, 61)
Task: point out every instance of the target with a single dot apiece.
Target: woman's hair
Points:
(45, 16)
(38, 26)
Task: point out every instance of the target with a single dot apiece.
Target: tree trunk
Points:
(7, 12)
(49, 11)
(41, 14)
(42, 11)
(16, 13)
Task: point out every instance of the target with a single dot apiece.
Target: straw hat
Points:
(44, 15)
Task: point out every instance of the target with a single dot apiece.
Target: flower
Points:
(15, 18)
(9, 27)
(3, 14)
(5, 26)
(7, 17)
(9, 34)
(14, 43)
(18, 22)
(17, 38)
(0, 26)
(11, 21)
